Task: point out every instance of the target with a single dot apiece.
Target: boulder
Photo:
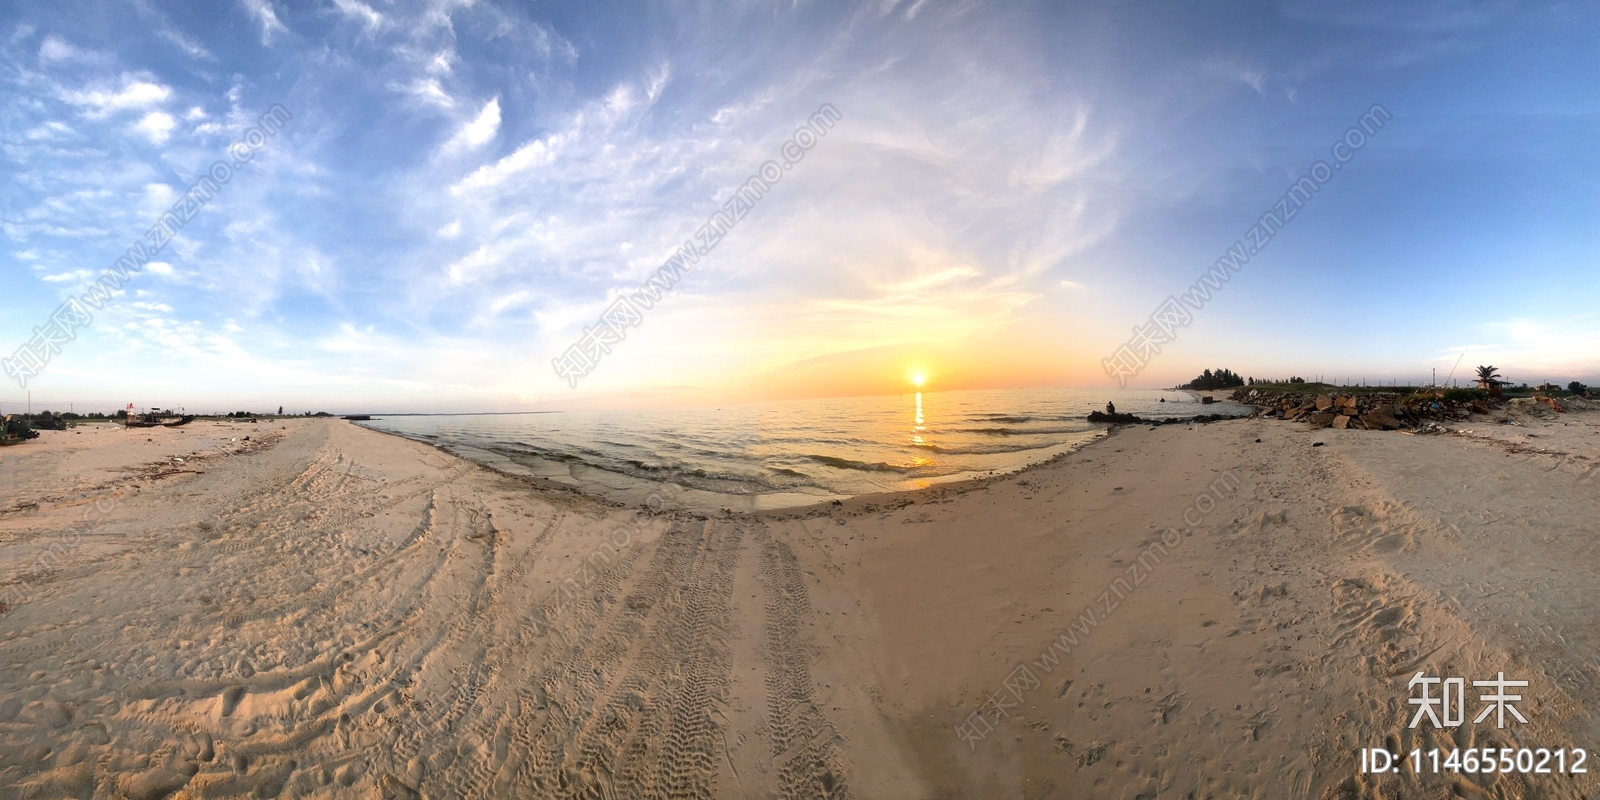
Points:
(1379, 420)
(1123, 419)
(1341, 421)
(1320, 420)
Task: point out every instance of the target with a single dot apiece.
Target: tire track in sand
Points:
(622, 705)
(805, 748)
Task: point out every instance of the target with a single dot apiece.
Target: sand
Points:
(327, 611)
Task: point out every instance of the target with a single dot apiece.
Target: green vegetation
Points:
(1328, 388)
(1221, 379)
(1465, 395)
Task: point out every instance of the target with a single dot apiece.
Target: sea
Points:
(787, 454)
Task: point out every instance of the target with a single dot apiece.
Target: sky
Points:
(1011, 190)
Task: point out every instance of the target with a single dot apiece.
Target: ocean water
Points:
(790, 453)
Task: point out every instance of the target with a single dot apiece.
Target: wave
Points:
(980, 450)
(845, 463)
(1022, 431)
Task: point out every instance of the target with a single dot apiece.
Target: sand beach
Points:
(1219, 610)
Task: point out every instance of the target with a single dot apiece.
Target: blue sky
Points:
(465, 185)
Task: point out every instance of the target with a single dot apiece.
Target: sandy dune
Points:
(325, 611)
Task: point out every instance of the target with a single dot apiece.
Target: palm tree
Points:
(1489, 379)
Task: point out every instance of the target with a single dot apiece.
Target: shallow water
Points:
(789, 453)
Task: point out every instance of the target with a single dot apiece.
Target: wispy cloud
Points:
(267, 16)
(359, 11)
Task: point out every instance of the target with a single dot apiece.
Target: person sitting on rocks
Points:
(1111, 408)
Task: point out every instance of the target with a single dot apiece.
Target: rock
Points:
(1324, 402)
(1123, 419)
(1320, 420)
(1380, 420)
(1341, 421)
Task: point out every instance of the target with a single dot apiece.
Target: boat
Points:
(184, 420)
(7, 441)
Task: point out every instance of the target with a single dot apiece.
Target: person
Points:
(1111, 408)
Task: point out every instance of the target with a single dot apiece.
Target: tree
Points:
(1489, 379)
(1577, 388)
(1221, 379)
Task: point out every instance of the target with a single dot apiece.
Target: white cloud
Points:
(158, 197)
(135, 94)
(428, 91)
(49, 130)
(161, 268)
(156, 126)
(183, 43)
(195, 113)
(55, 48)
(262, 11)
(357, 10)
(474, 264)
(1535, 350)
(477, 132)
(536, 153)
(450, 231)
(73, 276)
(442, 62)
(929, 281)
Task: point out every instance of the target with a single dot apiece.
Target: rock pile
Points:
(1376, 411)
(1130, 419)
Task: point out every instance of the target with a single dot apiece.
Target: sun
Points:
(917, 380)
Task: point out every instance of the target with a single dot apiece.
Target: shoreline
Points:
(723, 503)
